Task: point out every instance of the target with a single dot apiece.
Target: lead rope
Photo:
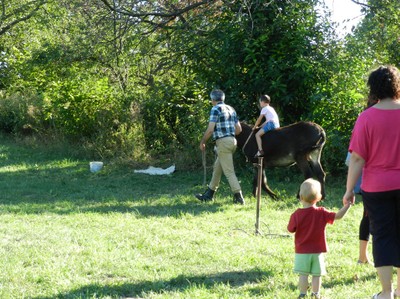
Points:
(248, 138)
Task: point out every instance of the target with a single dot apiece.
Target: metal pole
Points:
(259, 179)
(203, 156)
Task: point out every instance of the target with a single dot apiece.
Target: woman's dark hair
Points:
(384, 83)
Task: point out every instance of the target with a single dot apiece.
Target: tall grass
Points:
(69, 233)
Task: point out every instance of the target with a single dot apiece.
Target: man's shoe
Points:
(208, 195)
(238, 198)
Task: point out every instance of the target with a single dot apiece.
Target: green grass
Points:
(69, 233)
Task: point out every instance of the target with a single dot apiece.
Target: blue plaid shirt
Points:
(225, 118)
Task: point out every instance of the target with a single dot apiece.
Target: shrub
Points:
(21, 113)
(337, 116)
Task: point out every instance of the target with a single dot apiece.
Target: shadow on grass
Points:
(69, 187)
(179, 284)
(33, 182)
(350, 280)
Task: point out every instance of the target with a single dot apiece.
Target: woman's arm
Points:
(356, 165)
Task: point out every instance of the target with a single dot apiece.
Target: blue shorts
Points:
(309, 264)
(269, 126)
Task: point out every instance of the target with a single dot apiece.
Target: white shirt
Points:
(270, 115)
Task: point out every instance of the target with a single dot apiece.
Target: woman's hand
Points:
(349, 198)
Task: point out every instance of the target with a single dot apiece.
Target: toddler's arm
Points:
(342, 212)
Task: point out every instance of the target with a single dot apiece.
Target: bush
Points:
(21, 113)
(174, 120)
(337, 116)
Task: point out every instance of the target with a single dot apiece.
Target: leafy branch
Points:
(10, 19)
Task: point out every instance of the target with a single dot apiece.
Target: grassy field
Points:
(68, 233)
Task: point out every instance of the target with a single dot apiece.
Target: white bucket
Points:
(96, 166)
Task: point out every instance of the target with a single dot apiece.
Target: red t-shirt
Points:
(309, 227)
(376, 138)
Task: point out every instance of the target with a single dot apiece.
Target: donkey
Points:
(300, 143)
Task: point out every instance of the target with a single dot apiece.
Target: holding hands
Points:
(349, 198)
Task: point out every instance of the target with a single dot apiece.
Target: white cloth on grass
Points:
(156, 170)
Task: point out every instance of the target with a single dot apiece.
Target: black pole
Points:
(259, 179)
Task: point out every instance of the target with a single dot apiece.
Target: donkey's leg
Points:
(266, 188)
(317, 169)
(264, 185)
(305, 169)
(304, 166)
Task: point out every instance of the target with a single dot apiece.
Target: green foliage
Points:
(21, 114)
(263, 48)
(129, 86)
(81, 107)
(337, 116)
(171, 116)
(17, 11)
(337, 102)
(379, 31)
(76, 98)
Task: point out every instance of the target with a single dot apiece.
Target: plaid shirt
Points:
(225, 118)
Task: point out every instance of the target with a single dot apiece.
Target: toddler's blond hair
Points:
(310, 191)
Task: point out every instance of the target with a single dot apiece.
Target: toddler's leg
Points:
(303, 283)
(316, 284)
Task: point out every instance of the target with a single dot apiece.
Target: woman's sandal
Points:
(364, 263)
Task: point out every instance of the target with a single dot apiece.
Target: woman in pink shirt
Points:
(375, 148)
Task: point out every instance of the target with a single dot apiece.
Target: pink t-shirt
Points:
(376, 138)
(309, 228)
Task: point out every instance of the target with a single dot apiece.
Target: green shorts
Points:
(309, 264)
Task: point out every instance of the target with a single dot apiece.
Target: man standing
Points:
(223, 126)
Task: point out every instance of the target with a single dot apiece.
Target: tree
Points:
(14, 12)
(253, 47)
(379, 30)
(339, 101)
(164, 14)
(98, 68)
